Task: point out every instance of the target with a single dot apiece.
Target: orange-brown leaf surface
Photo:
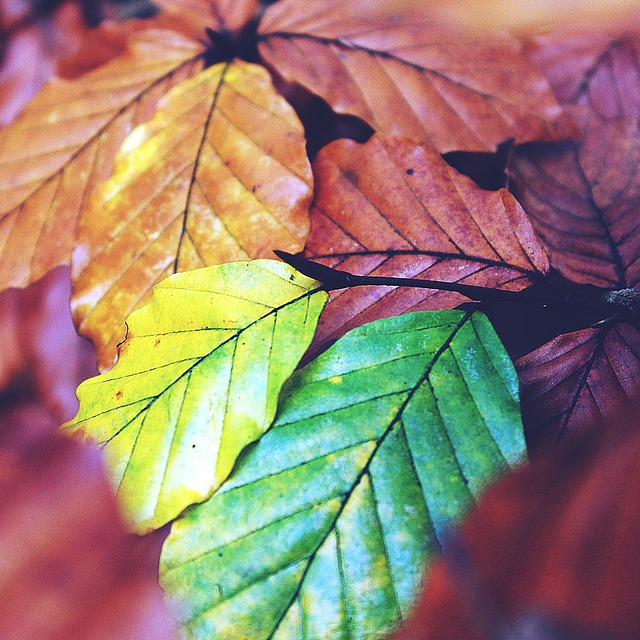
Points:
(583, 197)
(64, 142)
(579, 379)
(594, 68)
(69, 569)
(218, 15)
(220, 173)
(404, 75)
(550, 552)
(392, 207)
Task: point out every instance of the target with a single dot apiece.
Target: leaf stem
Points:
(337, 279)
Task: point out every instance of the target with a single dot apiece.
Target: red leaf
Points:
(592, 68)
(404, 75)
(579, 379)
(69, 570)
(583, 197)
(554, 541)
(393, 207)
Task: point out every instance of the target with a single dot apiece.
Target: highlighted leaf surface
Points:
(220, 173)
(197, 380)
(324, 527)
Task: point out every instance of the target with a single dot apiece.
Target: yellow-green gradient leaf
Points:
(64, 142)
(220, 173)
(325, 526)
(197, 380)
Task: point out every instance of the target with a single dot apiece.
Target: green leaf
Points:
(325, 526)
(197, 380)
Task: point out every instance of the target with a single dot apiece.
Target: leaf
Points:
(218, 174)
(393, 207)
(577, 380)
(583, 197)
(35, 329)
(218, 15)
(63, 144)
(197, 380)
(379, 445)
(69, 569)
(591, 67)
(548, 545)
(402, 74)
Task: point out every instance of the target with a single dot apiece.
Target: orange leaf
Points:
(403, 75)
(392, 207)
(63, 143)
(220, 173)
(219, 15)
(69, 569)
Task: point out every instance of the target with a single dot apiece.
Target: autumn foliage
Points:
(355, 136)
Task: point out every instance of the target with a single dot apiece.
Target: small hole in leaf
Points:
(410, 172)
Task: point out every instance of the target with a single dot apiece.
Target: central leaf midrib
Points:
(365, 469)
(155, 398)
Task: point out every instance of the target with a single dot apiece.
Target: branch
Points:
(336, 279)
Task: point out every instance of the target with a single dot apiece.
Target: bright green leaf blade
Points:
(198, 379)
(325, 526)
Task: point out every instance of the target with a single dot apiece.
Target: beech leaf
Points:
(219, 15)
(392, 207)
(579, 379)
(197, 380)
(403, 74)
(547, 553)
(591, 67)
(583, 197)
(324, 526)
(63, 144)
(220, 173)
(69, 568)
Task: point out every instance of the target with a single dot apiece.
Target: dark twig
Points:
(336, 279)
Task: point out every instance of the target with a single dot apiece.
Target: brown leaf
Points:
(583, 197)
(549, 548)
(403, 75)
(220, 173)
(218, 15)
(63, 143)
(395, 208)
(594, 68)
(69, 570)
(577, 380)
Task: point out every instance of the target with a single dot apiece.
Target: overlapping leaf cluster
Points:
(181, 154)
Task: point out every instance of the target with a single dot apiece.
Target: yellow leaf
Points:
(220, 173)
(197, 380)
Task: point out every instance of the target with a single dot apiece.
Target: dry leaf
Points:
(404, 75)
(219, 173)
(576, 381)
(69, 570)
(393, 207)
(63, 143)
(592, 67)
(583, 198)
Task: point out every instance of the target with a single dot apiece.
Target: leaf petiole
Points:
(337, 279)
